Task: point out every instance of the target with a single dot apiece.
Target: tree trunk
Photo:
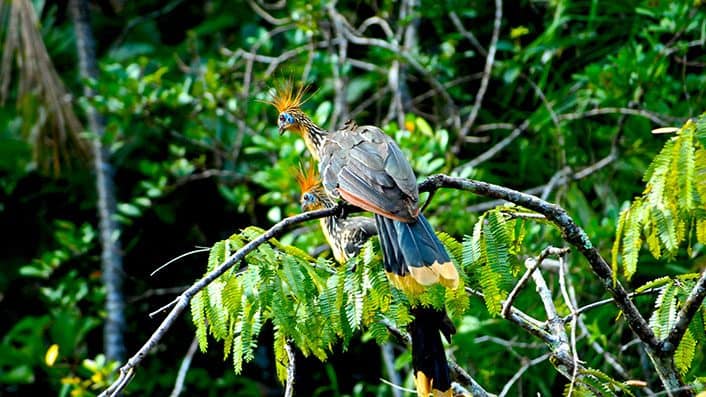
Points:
(111, 258)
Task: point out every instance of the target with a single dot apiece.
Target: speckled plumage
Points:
(346, 236)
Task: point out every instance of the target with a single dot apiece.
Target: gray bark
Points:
(111, 259)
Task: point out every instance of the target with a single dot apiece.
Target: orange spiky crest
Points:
(308, 178)
(286, 99)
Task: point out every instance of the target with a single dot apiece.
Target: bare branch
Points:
(291, 370)
(654, 117)
(490, 153)
(603, 302)
(266, 16)
(518, 374)
(507, 305)
(184, 368)
(489, 60)
(576, 236)
(350, 34)
(476, 389)
(467, 34)
(196, 251)
(127, 371)
(570, 301)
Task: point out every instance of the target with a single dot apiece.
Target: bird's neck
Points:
(313, 137)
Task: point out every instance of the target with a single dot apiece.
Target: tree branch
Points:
(686, 314)
(127, 371)
(571, 232)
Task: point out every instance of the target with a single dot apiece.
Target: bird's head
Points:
(291, 120)
(310, 202)
(288, 102)
(310, 185)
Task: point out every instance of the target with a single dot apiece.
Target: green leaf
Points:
(199, 318)
(281, 356)
(684, 355)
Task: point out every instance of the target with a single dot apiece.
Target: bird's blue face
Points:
(309, 202)
(285, 122)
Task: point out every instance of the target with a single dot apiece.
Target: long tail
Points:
(431, 370)
(413, 256)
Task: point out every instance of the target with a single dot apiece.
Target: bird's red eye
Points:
(281, 117)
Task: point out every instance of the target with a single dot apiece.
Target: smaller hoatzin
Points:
(346, 236)
(366, 168)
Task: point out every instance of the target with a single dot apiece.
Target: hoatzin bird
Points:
(346, 236)
(365, 167)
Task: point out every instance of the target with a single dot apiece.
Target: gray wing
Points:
(367, 168)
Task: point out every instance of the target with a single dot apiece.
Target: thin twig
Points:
(509, 344)
(507, 305)
(266, 16)
(158, 292)
(466, 33)
(291, 370)
(196, 251)
(493, 150)
(184, 368)
(518, 374)
(489, 60)
(388, 359)
(396, 388)
(654, 117)
(604, 302)
(570, 301)
(583, 173)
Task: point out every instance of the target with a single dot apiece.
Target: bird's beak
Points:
(282, 127)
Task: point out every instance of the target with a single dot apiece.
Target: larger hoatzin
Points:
(366, 168)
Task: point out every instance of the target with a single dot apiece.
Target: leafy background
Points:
(572, 95)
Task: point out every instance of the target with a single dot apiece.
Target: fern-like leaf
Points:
(684, 355)
(658, 282)
(632, 240)
(198, 316)
(665, 311)
(615, 251)
(281, 356)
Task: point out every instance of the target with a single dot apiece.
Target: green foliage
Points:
(311, 304)
(672, 294)
(487, 254)
(670, 211)
(593, 382)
